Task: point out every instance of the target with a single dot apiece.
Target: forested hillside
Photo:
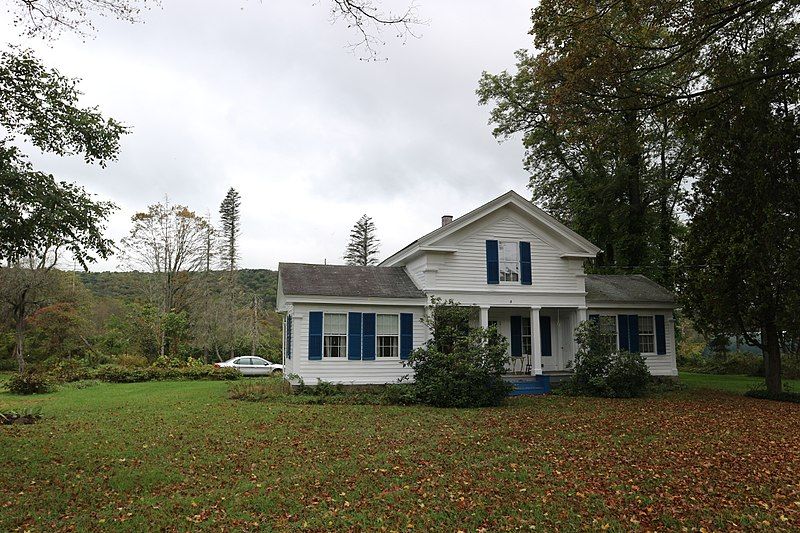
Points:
(127, 285)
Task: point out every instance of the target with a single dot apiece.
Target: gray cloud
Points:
(265, 97)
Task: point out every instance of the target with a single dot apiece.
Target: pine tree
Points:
(363, 247)
(230, 222)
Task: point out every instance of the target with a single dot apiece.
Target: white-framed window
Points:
(647, 334)
(508, 255)
(608, 329)
(527, 339)
(334, 340)
(387, 331)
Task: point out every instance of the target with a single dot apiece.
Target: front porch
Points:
(535, 351)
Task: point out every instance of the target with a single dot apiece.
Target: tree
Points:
(363, 246)
(742, 249)
(616, 178)
(169, 241)
(230, 217)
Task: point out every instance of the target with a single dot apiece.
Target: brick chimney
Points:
(446, 219)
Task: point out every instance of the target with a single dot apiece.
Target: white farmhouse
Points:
(517, 266)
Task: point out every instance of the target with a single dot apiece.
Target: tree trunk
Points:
(772, 359)
(19, 345)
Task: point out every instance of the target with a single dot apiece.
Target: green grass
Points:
(736, 384)
(183, 456)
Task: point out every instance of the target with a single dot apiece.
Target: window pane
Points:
(388, 325)
(336, 323)
(647, 340)
(646, 324)
(388, 346)
(335, 346)
(526, 336)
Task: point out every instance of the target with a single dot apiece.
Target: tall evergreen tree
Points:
(230, 230)
(363, 246)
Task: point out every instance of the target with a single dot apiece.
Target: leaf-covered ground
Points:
(182, 456)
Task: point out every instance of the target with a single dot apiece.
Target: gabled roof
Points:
(631, 289)
(302, 279)
(584, 247)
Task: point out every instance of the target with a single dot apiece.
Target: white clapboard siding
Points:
(345, 371)
(466, 268)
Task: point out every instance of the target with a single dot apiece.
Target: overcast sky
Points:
(266, 97)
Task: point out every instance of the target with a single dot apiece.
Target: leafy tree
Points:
(167, 240)
(459, 366)
(60, 331)
(364, 245)
(615, 177)
(230, 229)
(742, 250)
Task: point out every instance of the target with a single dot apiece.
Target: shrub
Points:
(459, 366)
(165, 361)
(67, 371)
(131, 361)
(120, 374)
(599, 371)
(28, 382)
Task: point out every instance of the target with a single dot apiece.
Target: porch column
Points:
(536, 342)
(484, 316)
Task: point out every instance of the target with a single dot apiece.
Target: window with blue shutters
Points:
(334, 336)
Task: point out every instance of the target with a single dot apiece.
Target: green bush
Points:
(600, 371)
(120, 374)
(460, 366)
(131, 360)
(28, 382)
(67, 371)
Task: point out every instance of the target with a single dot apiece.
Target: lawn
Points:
(738, 384)
(182, 456)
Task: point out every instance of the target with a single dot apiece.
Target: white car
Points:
(252, 366)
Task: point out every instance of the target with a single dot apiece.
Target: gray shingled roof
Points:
(344, 280)
(625, 289)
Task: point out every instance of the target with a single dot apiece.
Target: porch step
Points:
(529, 385)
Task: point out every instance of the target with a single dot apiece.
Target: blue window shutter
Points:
(525, 262)
(661, 336)
(315, 335)
(368, 337)
(492, 263)
(406, 334)
(633, 332)
(595, 318)
(516, 336)
(622, 326)
(354, 336)
(288, 336)
(544, 333)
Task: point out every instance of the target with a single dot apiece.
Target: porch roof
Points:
(631, 289)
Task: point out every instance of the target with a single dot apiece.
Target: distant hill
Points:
(125, 285)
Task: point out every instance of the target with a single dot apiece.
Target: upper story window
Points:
(647, 334)
(334, 343)
(508, 255)
(388, 335)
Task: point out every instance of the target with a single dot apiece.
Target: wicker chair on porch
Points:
(523, 362)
